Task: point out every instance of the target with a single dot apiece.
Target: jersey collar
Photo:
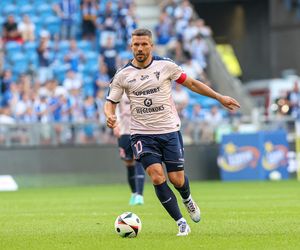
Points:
(139, 67)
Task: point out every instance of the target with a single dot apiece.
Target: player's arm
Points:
(110, 114)
(202, 89)
(113, 98)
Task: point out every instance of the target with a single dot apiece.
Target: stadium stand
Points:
(69, 50)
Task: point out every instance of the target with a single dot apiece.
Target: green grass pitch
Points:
(240, 215)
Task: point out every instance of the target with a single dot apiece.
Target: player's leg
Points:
(165, 194)
(139, 181)
(130, 166)
(146, 149)
(139, 173)
(181, 183)
(126, 155)
(174, 159)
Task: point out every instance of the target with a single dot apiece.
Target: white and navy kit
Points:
(153, 112)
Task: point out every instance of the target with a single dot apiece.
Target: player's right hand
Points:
(111, 121)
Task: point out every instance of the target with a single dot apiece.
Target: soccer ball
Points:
(128, 225)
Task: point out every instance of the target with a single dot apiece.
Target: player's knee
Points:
(156, 174)
(176, 178)
(178, 182)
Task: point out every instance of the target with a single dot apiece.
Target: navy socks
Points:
(131, 178)
(168, 200)
(185, 189)
(139, 178)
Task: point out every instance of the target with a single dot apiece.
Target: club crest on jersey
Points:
(148, 102)
(144, 77)
(157, 74)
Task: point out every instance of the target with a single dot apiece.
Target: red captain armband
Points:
(182, 78)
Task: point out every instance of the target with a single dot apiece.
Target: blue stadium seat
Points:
(2, 21)
(84, 45)
(4, 3)
(38, 24)
(89, 70)
(63, 46)
(91, 58)
(52, 24)
(19, 63)
(44, 10)
(12, 47)
(88, 86)
(27, 10)
(20, 3)
(28, 47)
(32, 59)
(59, 72)
(10, 9)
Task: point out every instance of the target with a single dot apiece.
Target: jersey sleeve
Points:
(116, 89)
(176, 73)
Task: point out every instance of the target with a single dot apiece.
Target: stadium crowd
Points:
(58, 57)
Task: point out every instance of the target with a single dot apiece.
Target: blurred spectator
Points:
(90, 114)
(199, 51)
(89, 12)
(6, 80)
(76, 104)
(20, 110)
(203, 29)
(169, 7)
(293, 98)
(6, 117)
(11, 95)
(41, 108)
(107, 12)
(175, 51)
(181, 99)
(67, 11)
(109, 56)
(72, 81)
(102, 78)
(10, 30)
(189, 33)
(74, 56)
(184, 11)
(108, 31)
(214, 117)
(45, 58)
(164, 29)
(27, 29)
(192, 68)
(196, 125)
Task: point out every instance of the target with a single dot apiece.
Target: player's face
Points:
(141, 47)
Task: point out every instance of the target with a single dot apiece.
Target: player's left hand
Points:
(229, 102)
(111, 121)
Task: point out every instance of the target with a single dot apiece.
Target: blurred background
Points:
(58, 56)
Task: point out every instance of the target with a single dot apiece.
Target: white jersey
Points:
(123, 114)
(150, 93)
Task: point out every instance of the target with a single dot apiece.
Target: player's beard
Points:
(141, 57)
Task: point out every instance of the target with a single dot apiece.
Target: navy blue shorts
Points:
(125, 147)
(162, 148)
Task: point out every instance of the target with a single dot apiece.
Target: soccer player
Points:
(155, 126)
(135, 171)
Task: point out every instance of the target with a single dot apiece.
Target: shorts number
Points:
(138, 147)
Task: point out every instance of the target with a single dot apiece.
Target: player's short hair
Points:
(142, 32)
